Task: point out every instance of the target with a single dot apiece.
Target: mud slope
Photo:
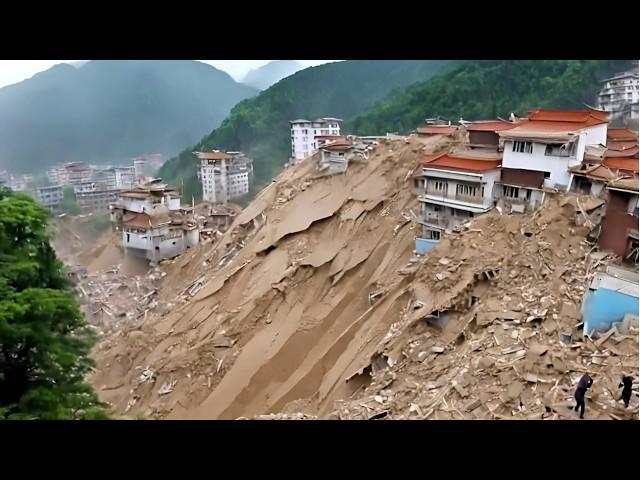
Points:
(278, 307)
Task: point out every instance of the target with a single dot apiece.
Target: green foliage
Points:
(69, 203)
(111, 110)
(44, 340)
(259, 126)
(477, 90)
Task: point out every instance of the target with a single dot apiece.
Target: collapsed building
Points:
(152, 222)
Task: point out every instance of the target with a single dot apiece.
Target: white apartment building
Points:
(125, 177)
(224, 175)
(304, 133)
(540, 151)
(50, 197)
(453, 188)
(619, 96)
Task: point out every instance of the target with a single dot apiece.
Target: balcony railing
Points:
(457, 197)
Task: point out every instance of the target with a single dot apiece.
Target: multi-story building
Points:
(70, 173)
(224, 175)
(19, 183)
(50, 197)
(125, 177)
(304, 133)
(453, 188)
(153, 224)
(620, 224)
(619, 96)
(96, 199)
(540, 150)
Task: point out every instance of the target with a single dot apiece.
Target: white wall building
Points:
(619, 95)
(50, 197)
(304, 133)
(539, 152)
(224, 175)
(453, 188)
(125, 177)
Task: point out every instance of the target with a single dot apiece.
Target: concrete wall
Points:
(192, 237)
(174, 204)
(484, 138)
(607, 301)
(556, 166)
(617, 221)
(423, 245)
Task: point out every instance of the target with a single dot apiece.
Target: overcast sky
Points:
(14, 71)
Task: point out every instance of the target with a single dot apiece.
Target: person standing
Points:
(583, 385)
(626, 384)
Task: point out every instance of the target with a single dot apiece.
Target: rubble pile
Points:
(492, 330)
(314, 295)
(112, 300)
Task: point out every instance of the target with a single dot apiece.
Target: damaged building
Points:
(453, 188)
(152, 222)
(224, 175)
(334, 157)
(539, 152)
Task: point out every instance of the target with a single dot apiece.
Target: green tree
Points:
(69, 203)
(44, 339)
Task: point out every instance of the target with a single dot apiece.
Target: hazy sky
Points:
(14, 71)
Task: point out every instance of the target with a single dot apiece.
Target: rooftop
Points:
(445, 161)
(558, 125)
(212, 155)
(437, 130)
(626, 164)
(622, 134)
(490, 126)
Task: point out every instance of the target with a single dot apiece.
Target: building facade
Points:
(304, 133)
(125, 177)
(452, 189)
(224, 175)
(540, 152)
(50, 197)
(619, 96)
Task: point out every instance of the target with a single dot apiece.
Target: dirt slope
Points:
(275, 315)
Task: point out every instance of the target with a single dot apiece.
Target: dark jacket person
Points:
(583, 385)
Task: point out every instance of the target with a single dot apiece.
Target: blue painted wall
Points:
(603, 307)
(423, 245)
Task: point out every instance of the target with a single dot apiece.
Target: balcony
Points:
(445, 197)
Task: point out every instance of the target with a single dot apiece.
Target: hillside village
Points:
(466, 270)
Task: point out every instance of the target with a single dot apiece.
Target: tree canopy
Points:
(44, 339)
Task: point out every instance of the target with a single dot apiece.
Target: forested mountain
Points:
(108, 111)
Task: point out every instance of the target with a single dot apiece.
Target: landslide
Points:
(277, 309)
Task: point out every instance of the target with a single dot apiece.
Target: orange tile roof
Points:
(211, 155)
(621, 145)
(601, 173)
(627, 152)
(626, 164)
(622, 134)
(490, 126)
(437, 130)
(588, 117)
(447, 162)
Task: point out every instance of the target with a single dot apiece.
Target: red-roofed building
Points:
(431, 130)
(453, 188)
(622, 134)
(484, 133)
(624, 164)
(539, 151)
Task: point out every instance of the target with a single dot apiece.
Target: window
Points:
(561, 149)
(466, 190)
(510, 192)
(437, 186)
(523, 147)
(432, 235)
